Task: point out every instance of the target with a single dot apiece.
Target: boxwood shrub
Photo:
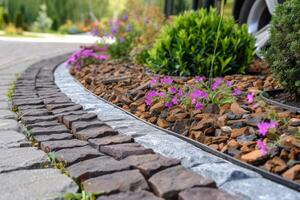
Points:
(186, 46)
(284, 53)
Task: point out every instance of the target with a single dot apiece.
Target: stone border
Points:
(229, 177)
(95, 155)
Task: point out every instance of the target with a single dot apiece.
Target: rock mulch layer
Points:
(97, 156)
(230, 129)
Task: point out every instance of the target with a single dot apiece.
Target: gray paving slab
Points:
(39, 184)
(13, 139)
(7, 114)
(226, 174)
(21, 158)
(9, 124)
(4, 105)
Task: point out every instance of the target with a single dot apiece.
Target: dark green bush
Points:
(186, 46)
(284, 53)
(19, 20)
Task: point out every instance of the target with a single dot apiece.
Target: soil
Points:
(287, 98)
(231, 129)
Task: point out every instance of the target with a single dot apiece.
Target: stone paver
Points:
(13, 139)
(39, 184)
(7, 114)
(95, 132)
(53, 137)
(169, 182)
(120, 151)
(139, 195)
(131, 180)
(69, 119)
(9, 124)
(109, 140)
(96, 167)
(49, 146)
(205, 193)
(21, 158)
(49, 130)
(73, 155)
(150, 164)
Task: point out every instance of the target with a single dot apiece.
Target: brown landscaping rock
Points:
(49, 146)
(293, 173)
(95, 132)
(52, 137)
(109, 140)
(96, 167)
(130, 180)
(236, 109)
(252, 156)
(150, 164)
(205, 194)
(294, 122)
(139, 195)
(169, 182)
(49, 130)
(73, 155)
(276, 165)
(162, 123)
(121, 151)
(69, 119)
(239, 131)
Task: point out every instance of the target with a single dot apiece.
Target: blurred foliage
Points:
(284, 52)
(43, 23)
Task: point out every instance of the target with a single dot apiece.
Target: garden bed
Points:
(231, 128)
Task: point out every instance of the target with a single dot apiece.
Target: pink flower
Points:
(199, 93)
(166, 80)
(162, 94)
(199, 106)
(173, 90)
(262, 147)
(168, 104)
(250, 97)
(175, 100)
(217, 84)
(180, 92)
(237, 92)
(199, 79)
(153, 81)
(149, 97)
(264, 127)
(229, 83)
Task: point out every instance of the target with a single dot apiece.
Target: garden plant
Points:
(202, 89)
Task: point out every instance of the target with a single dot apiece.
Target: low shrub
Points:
(284, 53)
(187, 46)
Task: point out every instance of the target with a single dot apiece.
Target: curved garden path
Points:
(101, 154)
(22, 171)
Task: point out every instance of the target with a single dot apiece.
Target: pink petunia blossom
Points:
(262, 147)
(199, 106)
(149, 96)
(199, 93)
(250, 97)
(237, 92)
(154, 81)
(173, 90)
(166, 80)
(217, 84)
(168, 104)
(198, 79)
(162, 94)
(229, 83)
(180, 92)
(175, 100)
(264, 127)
